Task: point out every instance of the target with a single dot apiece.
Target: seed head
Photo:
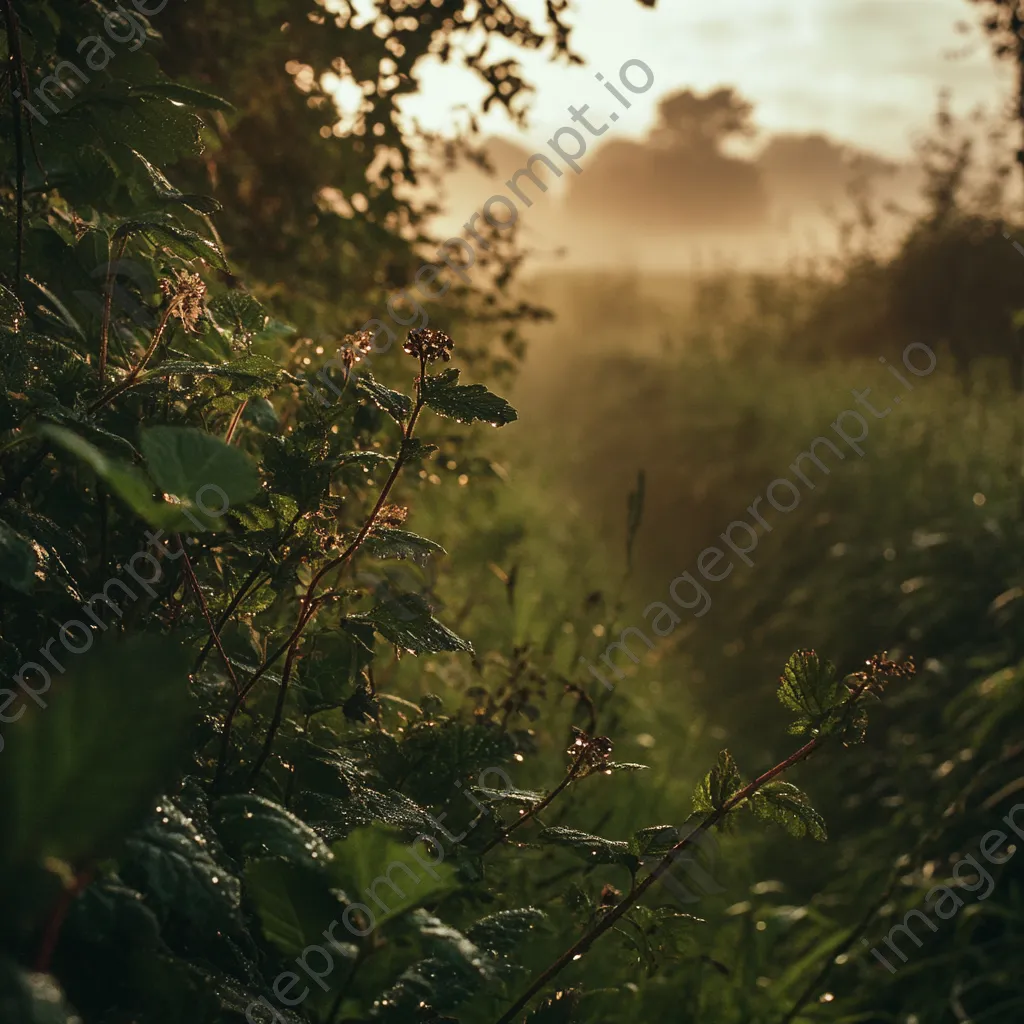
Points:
(186, 292)
(430, 345)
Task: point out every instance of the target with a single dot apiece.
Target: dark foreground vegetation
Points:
(269, 753)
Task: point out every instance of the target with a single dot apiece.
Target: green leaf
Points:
(719, 786)
(240, 314)
(783, 803)
(366, 461)
(809, 686)
(394, 403)
(183, 242)
(195, 467)
(595, 849)
(18, 561)
(385, 542)
(331, 663)
(294, 906)
(502, 932)
(654, 839)
(466, 403)
(126, 481)
(172, 863)
(254, 372)
(376, 868)
(83, 768)
(166, 191)
(414, 449)
(252, 826)
(406, 621)
(185, 94)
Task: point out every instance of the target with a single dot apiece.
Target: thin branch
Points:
(245, 588)
(133, 374)
(540, 805)
(108, 300)
(309, 606)
(191, 576)
(587, 940)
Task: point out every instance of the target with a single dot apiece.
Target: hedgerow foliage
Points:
(203, 780)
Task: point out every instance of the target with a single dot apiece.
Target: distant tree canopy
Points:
(681, 177)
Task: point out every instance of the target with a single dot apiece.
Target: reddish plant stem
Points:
(582, 945)
(308, 608)
(133, 374)
(51, 933)
(194, 582)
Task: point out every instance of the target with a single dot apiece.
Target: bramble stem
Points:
(540, 805)
(583, 944)
(310, 605)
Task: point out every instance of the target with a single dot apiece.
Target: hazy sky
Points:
(866, 71)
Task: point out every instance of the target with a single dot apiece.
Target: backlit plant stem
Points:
(309, 606)
(582, 946)
(540, 805)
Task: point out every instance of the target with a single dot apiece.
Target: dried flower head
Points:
(392, 515)
(429, 345)
(596, 752)
(186, 292)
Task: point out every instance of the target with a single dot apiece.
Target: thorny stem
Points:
(583, 944)
(108, 300)
(309, 607)
(540, 805)
(191, 575)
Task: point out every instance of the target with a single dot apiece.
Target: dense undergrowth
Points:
(265, 754)
(912, 546)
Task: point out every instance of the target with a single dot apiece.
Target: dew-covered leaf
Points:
(718, 786)
(251, 826)
(595, 849)
(467, 403)
(387, 542)
(394, 403)
(809, 686)
(406, 621)
(783, 803)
